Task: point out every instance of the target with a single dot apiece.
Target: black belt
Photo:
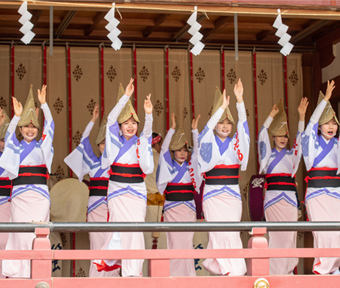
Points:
(281, 183)
(220, 172)
(31, 175)
(98, 187)
(126, 174)
(5, 191)
(321, 183)
(185, 192)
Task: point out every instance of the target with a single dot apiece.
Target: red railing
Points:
(257, 253)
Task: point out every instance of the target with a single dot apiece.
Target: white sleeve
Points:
(10, 159)
(144, 147)
(242, 144)
(263, 147)
(46, 140)
(309, 136)
(81, 159)
(165, 171)
(194, 168)
(297, 150)
(112, 138)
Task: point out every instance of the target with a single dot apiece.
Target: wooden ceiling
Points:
(159, 23)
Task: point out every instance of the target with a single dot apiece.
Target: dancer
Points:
(280, 166)
(130, 158)
(321, 154)
(179, 180)
(220, 157)
(28, 163)
(83, 161)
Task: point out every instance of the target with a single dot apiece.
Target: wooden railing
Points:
(257, 255)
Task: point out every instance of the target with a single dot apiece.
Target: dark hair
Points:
(154, 134)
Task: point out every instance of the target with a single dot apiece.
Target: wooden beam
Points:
(185, 29)
(219, 24)
(309, 30)
(158, 21)
(36, 16)
(63, 25)
(96, 20)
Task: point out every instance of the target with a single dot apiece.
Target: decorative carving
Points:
(60, 173)
(90, 106)
(210, 112)
(58, 105)
(176, 73)
(200, 75)
(144, 73)
(262, 77)
(76, 138)
(77, 72)
(21, 71)
(185, 112)
(111, 73)
(293, 78)
(231, 75)
(3, 103)
(158, 107)
(81, 273)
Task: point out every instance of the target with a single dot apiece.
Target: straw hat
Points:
(28, 113)
(218, 103)
(128, 109)
(279, 126)
(328, 113)
(4, 127)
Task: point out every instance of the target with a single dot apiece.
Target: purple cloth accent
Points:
(223, 146)
(255, 198)
(101, 171)
(278, 198)
(127, 144)
(181, 171)
(1, 169)
(246, 127)
(114, 129)
(88, 149)
(278, 158)
(27, 149)
(167, 157)
(320, 192)
(96, 204)
(326, 148)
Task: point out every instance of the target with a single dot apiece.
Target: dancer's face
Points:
(129, 128)
(329, 129)
(181, 155)
(280, 142)
(223, 128)
(29, 132)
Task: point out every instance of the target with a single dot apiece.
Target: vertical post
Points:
(41, 269)
(258, 267)
(51, 30)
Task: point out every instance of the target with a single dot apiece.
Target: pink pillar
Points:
(258, 267)
(41, 268)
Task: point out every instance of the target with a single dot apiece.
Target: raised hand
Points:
(17, 107)
(274, 111)
(225, 102)
(238, 91)
(95, 113)
(195, 122)
(303, 108)
(42, 94)
(148, 105)
(173, 121)
(329, 90)
(130, 88)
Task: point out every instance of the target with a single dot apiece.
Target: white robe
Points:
(223, 202)
(127, 201)
(280, 205)
(179, 211)
(322, 204)
(29, 202)
(83, 161)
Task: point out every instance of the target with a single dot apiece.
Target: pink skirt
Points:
(181, 240)
(278, 212)
(224, 208)
(5, 215)
(25, 207)
(98, 239)
(325, 208)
